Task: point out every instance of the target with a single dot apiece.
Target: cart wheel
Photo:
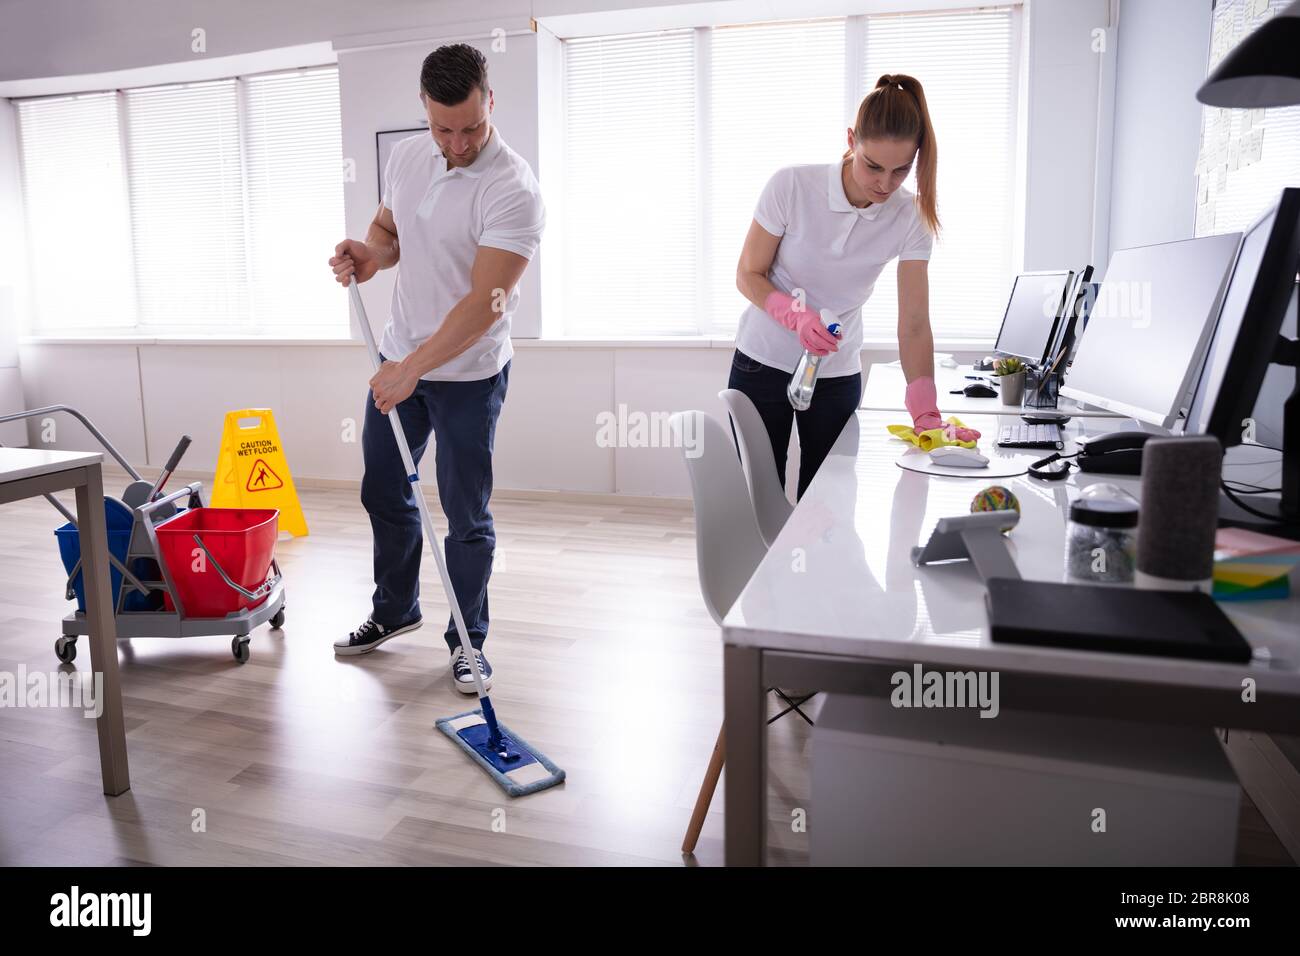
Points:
(277, 619)
(239, 647)
(66, 649)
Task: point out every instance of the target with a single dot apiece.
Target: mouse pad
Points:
(1003, 462)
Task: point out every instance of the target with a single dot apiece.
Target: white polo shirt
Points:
(832, 250)
(443, 216)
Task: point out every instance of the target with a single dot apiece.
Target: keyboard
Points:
(1022, 435)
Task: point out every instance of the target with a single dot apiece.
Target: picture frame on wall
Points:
(385, 140)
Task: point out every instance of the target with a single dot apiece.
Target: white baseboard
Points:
(114, 475)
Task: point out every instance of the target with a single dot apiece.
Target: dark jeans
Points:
(462, 417)
(834, 400)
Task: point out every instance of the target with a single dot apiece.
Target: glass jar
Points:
(1101, 536)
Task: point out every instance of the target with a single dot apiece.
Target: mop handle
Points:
(413, 477)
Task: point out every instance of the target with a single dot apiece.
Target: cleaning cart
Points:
(176, 570)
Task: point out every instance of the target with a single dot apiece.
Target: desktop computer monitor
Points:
(1247, 338)
(1034, 309)
(1079, 296)
(1149, 326)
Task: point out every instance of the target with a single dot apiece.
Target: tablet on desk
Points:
(1117, 620)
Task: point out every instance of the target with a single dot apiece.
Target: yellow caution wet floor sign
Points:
(252, 471)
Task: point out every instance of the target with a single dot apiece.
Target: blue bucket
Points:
(118, 520)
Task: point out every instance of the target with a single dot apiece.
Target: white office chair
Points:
(728, 542)
(728, 547)
(771, 506)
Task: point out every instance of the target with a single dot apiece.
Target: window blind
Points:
(294, 171)
(670, 136)
(777, 99)
(965, 63)
(193, 208)
(187, 207)
(630, 186)
(77, 219)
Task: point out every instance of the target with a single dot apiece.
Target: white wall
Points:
(13, 253)
(143, 397)
(145, 394)
(1163, 51)
(71, 37)
(1060, 131)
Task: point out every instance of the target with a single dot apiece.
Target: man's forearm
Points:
(465, 324)
(384, 245)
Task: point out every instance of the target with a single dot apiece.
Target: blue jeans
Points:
(462, 417)
(833, 401)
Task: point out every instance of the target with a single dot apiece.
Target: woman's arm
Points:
(755, 263)
(916, 350)
(793, 313)
(915, 340)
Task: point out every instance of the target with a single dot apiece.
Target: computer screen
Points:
(1149, 325)
(1244, 275)
(1256, 306)
(1033, 309)
(1080, 294)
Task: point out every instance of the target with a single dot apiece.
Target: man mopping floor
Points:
(464, 213)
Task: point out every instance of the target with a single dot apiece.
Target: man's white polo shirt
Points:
(443, 216)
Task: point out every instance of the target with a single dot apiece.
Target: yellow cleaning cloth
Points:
(931, 438)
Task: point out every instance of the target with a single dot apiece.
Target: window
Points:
(631, 196)
(78, 225)
(193, 208)
(964, 61)
(670, 136)
(778, 99)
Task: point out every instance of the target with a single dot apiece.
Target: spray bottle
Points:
(800, 389)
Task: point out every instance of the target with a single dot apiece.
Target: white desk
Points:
(861, 611)
(27, 472)
(886, 385)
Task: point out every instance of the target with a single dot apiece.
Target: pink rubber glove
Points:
(922, 403)
(813, 336)
(960, 433)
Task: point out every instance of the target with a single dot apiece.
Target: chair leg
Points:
(707, 787)
(793, 705)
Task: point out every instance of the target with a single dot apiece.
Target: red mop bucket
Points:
(240, 540)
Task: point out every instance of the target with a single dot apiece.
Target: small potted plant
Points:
(1011, 373)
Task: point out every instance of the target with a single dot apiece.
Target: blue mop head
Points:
(525, 770)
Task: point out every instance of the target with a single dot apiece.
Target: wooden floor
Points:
(606, 660)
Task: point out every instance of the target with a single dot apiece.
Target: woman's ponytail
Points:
(896, 109)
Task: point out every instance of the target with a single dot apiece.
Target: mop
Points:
(517, 767)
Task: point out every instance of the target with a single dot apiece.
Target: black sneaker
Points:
(370, 635)
(462, 678)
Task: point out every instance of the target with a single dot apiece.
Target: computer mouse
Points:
(948, 362)
(956, 456)
(979, 390)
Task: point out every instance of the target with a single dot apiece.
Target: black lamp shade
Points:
(1262, 70)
